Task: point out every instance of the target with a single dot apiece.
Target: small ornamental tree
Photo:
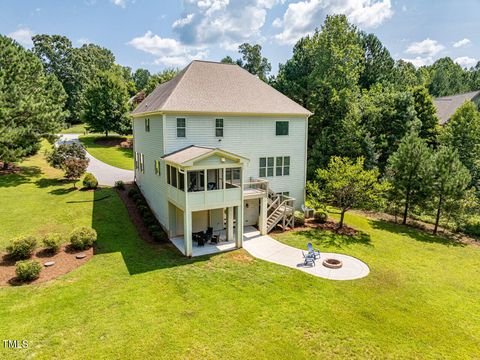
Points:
(450, 181)
(409, 173)
(71, 158)
(346, 185)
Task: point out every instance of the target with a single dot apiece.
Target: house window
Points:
(173, 176)
(281, 128)
(147, 125)
(181, 181)
(135, 160)
(142, 163)
(157, 167)
(219, 127)
(139, 161)
(168, 174)
(181, 127)
(282, 166)
(266, 167)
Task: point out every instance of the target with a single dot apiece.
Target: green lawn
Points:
(113, 155)
(74, 129)
(134, 301)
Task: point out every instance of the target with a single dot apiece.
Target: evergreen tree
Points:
(409, 171)
(141, 77)
(462, 133)
(379, 65)
(448, 78)
(427, 114)
(450, 180)
(106, 105)
(31, 102)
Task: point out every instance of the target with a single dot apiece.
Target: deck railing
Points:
(256, 184)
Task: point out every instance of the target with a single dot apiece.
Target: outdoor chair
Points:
(307, 212)
(312, 251)
(208, 235)
(308, 259)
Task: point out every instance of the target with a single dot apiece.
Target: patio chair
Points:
(201, 241)
(208, 234)
(307, 212)
(312, 251)
(308, 259)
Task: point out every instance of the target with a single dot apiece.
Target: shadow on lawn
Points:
(413, 233)
(117, 234)
(24, 176)
(324, 238)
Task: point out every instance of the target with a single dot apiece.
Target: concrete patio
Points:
(268, 249)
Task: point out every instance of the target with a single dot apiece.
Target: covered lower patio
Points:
(208, 248)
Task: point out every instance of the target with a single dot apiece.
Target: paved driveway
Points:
(269, 249)
(105, 174)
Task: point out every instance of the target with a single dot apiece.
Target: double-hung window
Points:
(282, 166)
(147, 125)
(139, 162)
(157, 167)
(219, 127)
(281, 128)
(181, 128)
(266, 166)
(142, 163)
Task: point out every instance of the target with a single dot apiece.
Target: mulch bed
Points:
(65, 262)
(135, 216)
(333, 227)
(114, 141)
(12, 169)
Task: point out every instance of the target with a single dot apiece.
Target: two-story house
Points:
(216, 147)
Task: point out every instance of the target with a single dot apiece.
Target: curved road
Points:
(105, 174)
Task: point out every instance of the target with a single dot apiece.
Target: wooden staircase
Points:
(280, 209)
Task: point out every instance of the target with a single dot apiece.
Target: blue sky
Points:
(167, 33)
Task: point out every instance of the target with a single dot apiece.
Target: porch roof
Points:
(188, 155)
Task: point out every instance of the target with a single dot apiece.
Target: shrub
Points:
(120, 185)
(472, 227)
(299, 218)
(132, 191)
(136, 197)
(27, 270)
(22, 247)
(320, 217)
(154, 228)
(52, 242)
(83, 237)
(142, 209)
(141, 202)
(149, 219)
(90, 181)
(159, 235)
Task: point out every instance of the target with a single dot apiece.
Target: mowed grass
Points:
(138, 302)
(75, 129)
(112, 155)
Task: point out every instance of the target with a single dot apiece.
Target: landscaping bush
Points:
(320, 217)
(22, 247)
(149, 219)
(90, 181)
(52, 243)
(120, 185)
(141, 202)
(154, 228)
(137, 197)
(299, 218)
(27, 270)
(472, 227)
(132, 191)
(159, 236)
(143, 209)
(83, 237)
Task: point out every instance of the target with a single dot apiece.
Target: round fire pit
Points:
(332, 263)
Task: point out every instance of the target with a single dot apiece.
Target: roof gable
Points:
(208, 87)
(200, 155)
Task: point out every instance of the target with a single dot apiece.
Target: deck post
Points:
(230, 223)
(262, 219)
(187, 232)
(239, 238)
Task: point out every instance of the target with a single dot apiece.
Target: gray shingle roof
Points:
(209, 87)
(447, 105)
(192, 152)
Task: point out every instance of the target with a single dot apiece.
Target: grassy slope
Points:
(115, 156)
(130, 301)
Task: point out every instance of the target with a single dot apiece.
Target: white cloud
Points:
(462, 42)
(23, 36)
(277, 23)
(421, 61)
(183, 21)
(224, 22)
(301, 18)
(465, 61)
(83, 40)
(168, 51)
(425, 48)
(121, 3)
